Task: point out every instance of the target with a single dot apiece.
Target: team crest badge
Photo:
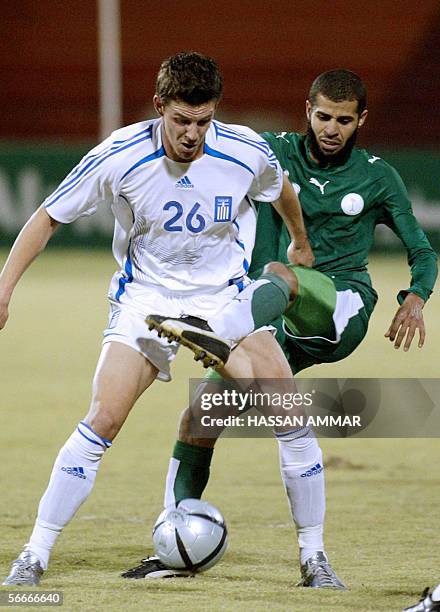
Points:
(223, 208)
(352, 203)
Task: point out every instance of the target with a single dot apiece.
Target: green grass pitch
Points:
(382, 495)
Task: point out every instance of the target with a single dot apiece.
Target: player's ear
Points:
(158, 105)
(308, 109)
(362, 118)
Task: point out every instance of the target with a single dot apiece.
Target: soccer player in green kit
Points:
(344, 192)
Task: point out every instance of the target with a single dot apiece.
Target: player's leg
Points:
(258, 304)
(255, 306)
(299, 454)
(188, 471)
(189, 466)
(122, 374)
(307, 297)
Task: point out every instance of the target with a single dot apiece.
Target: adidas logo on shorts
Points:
(75, 471)
(314, 471)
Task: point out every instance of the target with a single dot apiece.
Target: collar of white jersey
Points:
(210, 136)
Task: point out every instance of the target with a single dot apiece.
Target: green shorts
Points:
(325, 323)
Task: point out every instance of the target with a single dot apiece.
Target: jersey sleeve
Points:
(271, 240)
(88, 185)
(268, 181)
(399, 216)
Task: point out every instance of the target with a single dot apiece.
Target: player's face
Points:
(184, 127)
(333, 123)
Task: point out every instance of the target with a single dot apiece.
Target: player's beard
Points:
(326, 159)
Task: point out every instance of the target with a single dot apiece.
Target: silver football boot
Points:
(317, 573)
(26, 570)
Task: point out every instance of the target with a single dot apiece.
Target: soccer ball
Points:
(190, 535)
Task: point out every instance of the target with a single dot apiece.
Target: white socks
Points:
(302, 472)
(71, 482)
(436, 594)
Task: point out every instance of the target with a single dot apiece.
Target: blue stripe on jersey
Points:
(114, 145)
(129, 275)
(94, 163)
(220, 155)
(260, 144)
(156, 155)
(255, 145)
(246, 264)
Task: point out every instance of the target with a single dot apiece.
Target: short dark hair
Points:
(191, 77)
(339, 85)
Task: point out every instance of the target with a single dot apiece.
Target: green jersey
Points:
(342, 205)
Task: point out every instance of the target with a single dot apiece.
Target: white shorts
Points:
(127, 321)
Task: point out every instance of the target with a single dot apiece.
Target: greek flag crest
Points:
(223, 208)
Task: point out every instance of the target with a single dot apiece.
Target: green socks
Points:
(188, 472)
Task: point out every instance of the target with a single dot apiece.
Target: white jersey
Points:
(185, 227)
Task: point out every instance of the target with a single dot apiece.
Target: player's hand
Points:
(301, 254)
(407, 320)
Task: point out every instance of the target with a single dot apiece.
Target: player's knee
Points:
(284, 272)
(186, 435)
(104, 423)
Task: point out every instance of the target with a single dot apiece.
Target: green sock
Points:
(257, 305)
(270, 300)
(192, 475)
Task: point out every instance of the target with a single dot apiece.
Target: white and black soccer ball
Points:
(190, 535)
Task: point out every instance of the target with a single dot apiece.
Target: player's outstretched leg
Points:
(429, 602)
(258, 304)
(195, 334)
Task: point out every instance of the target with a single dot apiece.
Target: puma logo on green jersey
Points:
(318, 184)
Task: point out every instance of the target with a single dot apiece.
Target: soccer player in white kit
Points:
(178, 187)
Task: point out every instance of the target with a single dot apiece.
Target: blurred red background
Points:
(269, 53)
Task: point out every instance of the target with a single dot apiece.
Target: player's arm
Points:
(30, 242)
(422, 260)
(289, 209)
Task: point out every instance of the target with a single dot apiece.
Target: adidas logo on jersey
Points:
(184, 183)
(314, 471)
(75, 471)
